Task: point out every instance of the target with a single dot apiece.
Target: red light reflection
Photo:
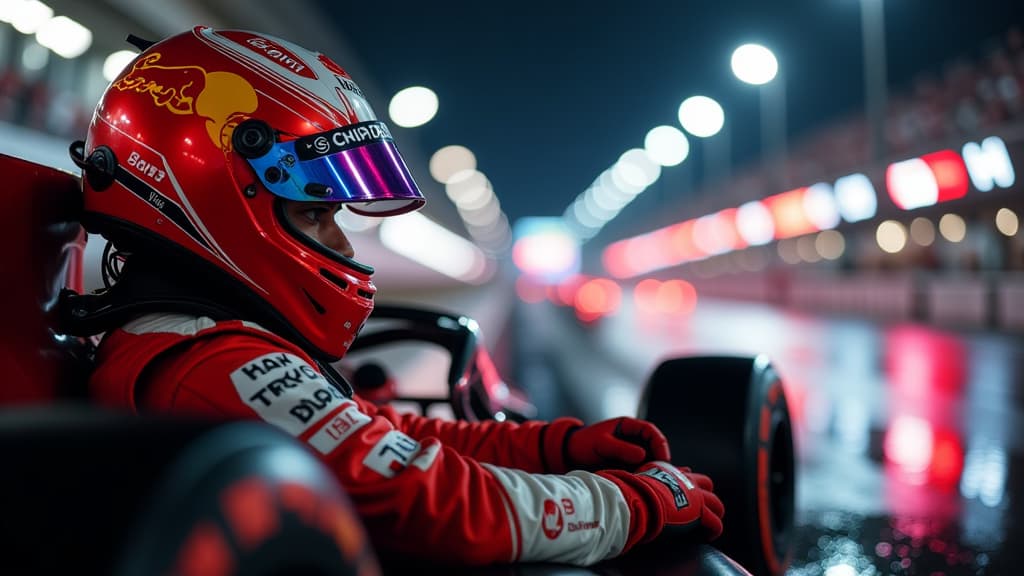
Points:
(597, 297)
(926, 370)
(529, 291)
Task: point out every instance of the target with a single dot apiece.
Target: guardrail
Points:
(986, 300)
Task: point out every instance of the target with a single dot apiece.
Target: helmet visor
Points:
(358, 165)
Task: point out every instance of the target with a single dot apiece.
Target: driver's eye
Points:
(313, 215)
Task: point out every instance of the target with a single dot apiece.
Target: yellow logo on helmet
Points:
(224, 99)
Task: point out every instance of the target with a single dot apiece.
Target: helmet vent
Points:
(318, 306)
(334, 278)
(365, 294)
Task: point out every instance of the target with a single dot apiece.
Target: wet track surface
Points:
(909, 438)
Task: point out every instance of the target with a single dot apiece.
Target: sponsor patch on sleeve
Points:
(285, 391)
(427, 455)
(338, 428)
(392, 454)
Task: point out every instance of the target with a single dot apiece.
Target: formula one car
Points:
(94, 491)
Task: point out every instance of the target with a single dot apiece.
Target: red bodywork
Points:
(43, 246)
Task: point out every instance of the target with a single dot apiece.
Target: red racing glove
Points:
(665, 499)
(622, 443)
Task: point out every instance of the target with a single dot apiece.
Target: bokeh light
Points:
(1007, 222)
(701, 116)
(922, 231)
(754, 64)
(952, 227)
(830, 244)
(116, 62)
(667, 145)
(451, 162)
(891, 236)
(413, 106)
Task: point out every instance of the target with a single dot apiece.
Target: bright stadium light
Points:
(640, 163)
(450, 161)
(413, 106)
(28, 16)
(667, 145)
(754, 64)
(64, 36)
(116, 62)
(701, 116)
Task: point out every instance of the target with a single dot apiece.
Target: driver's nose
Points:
(332, 236)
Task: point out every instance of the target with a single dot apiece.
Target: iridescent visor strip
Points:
(357, 164)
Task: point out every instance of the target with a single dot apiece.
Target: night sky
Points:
(549, 94)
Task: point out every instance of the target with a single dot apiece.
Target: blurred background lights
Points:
(598, 296)
(544, 247)
(754, 223)
(922, 231)
(820, 206)
(701, 116)
(350, 221)
(841, 569)
(27, 16)
(418, 238)
(989, 164)
(830, 244)
(787, 251)
(670, 297)
(638, 168)
(64, 36)
(909, 443)
(482, 214)
(116, 62)
(413, 106)
(807, 250)
(1006, 222)
(952, 227)
(475, 198)
(601, 211)
(754, 64)
(34, 56)
(667, 145)
(608, 196)
(912, 184)
(628, 179)
(891, 236)
(452, 161)
(856, 197)
(466, 186)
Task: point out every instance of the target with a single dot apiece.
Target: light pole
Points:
(757, 65)
(872, 25)
(703, 117)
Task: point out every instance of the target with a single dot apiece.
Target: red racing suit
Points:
(473, 493)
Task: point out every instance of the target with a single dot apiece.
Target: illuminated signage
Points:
(989, 164)
(856, 198)
(937, 177)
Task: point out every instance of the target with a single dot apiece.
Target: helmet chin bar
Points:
(161, 277)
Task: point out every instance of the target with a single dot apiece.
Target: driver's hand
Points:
(617, 443)
(665, 500)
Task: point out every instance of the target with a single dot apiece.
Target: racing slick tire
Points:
(95, 492)
(727, 417)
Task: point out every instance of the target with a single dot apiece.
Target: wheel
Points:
(727, 417)
(111, 493)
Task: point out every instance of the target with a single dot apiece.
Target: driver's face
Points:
(316, 220)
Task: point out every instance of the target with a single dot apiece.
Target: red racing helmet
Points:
(196, 144)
